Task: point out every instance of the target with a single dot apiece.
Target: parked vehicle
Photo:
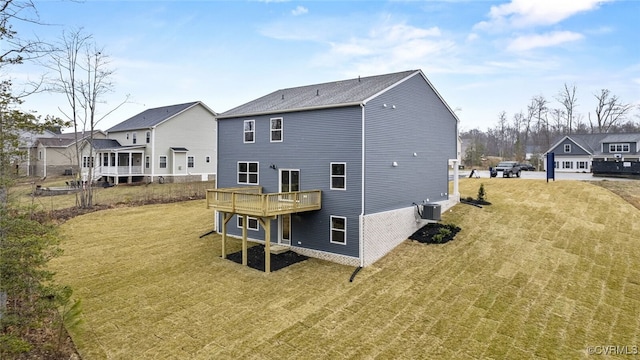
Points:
(527, 167)
(509, 169)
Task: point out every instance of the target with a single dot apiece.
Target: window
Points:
(618, 148)
(147, 162)
(40, 155)
(207, 159)
(190, 161)
(276, 130)
(113, 159)
(567, 148)
(581, 165)
(338, 176)
(135, 138)
(249, 131)
(252, 223)
(247, 172)
(556, 164)
(87, 162)
(105, 159)
(567, 164)
(339, 230)
(148, 135)
(163, 162)
(127, 136)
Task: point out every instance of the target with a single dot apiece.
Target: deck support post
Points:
(267, 247)
(244, 240)
(225, 219)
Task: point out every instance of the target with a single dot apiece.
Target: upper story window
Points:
(338, 176)
(276, 130)
(135, 138)
(190, 161)
(249, 131)
(127, 136)
(617, 148)
(248, 172)
(148, 136)
(147, 162)
(207, 159)
(163, 162)
(567, 148)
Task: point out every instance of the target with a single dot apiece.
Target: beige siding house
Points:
(55, 154)
(170, 143)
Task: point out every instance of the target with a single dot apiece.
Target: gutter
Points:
(283, 111)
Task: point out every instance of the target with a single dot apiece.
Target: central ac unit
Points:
(431, 212)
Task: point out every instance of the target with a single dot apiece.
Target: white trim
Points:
(362, 192)
(331, 229)
(248, 173)
(272, 130)
(331, 175)
(193, 162)
(249, 220)
(564, 148)
(160, 162)
(245, 131)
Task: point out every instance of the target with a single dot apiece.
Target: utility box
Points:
(431, 212)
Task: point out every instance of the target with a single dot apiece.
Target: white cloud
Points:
(529, 13)
(528, 42)
(299, 10)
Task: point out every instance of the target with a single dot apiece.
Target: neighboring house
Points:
(341, 167)
(169, 143)
(53, 153)
(597, 153)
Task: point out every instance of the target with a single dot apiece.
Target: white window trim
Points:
(612, 148)
(134, 138)
(245, 131)
(248, 172)
(331, 176)
(272, 130)
(331, 229)
(249, 220)
(567, 146)
(147, 162)
(148, 137)
(160, 162)
(193, 162)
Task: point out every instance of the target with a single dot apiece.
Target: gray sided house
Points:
(617, 154)
(337, 168)
(169, 143)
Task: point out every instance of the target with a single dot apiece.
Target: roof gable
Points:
(331, 94)
(153, 117)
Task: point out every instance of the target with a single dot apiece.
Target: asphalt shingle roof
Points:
(101, 144)
(330, 94)
(151, 117)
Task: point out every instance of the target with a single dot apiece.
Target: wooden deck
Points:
(251, 201)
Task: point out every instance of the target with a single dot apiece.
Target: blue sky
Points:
(483, 57)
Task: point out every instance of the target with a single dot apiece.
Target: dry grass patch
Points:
(544, 272)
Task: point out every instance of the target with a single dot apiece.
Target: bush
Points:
(481, 194)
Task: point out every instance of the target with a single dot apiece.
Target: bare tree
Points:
(567, 97)
(84, 77)
(610, 110)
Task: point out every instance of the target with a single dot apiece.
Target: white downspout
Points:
(361, 222)
(152, 163)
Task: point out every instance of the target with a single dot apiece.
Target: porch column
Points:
(225, 219)
(117, 165)
(244, 240)
(456, 177)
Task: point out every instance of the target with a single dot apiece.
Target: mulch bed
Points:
(435, 233)
(255, 258)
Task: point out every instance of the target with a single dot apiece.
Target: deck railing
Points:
(251, 201)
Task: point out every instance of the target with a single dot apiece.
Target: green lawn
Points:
(546, 271)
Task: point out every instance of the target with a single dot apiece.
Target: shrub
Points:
(481, 193)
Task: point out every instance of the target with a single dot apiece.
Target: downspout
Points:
(152, 163)
(361, 222)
